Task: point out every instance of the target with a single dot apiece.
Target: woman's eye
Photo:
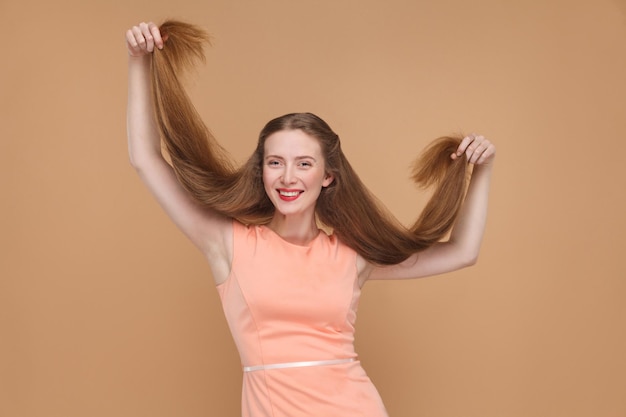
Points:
(273, 163)
(305, 164)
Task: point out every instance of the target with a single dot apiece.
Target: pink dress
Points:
(291, 310)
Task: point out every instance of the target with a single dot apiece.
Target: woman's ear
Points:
(328, 179)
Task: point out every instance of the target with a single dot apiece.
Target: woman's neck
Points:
(296, 231)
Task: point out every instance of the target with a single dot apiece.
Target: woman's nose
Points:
(288, 175)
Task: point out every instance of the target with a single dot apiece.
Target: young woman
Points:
(290, 290)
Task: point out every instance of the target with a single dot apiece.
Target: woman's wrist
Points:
(139, 58)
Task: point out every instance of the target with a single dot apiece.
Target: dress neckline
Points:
(320, 232)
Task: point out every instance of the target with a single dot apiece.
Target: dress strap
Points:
(296, 364)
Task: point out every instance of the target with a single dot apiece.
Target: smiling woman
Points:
(294, 175)
(289, 291)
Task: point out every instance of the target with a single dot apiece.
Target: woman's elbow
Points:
(468, 259)
(140, 160)
(136, 163)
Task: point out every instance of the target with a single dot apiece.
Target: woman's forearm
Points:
(142, 131)
(469, 228)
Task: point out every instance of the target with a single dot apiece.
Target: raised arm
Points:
(209, 231)
(144, 144)
(462, 249)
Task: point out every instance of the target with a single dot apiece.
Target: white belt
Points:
(296, 364)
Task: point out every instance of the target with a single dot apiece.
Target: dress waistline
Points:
(296, 364)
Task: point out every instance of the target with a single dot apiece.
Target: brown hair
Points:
(346, 206)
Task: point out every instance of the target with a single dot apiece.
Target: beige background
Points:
(106, 309)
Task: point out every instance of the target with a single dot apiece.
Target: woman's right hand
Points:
(141, 39)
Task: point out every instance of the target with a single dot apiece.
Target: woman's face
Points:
(293, 171)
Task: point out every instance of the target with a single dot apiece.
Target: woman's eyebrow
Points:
(306, 157)
(297, 157)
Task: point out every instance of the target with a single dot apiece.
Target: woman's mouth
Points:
(289, 195)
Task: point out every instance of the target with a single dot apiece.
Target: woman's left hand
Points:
(478, 149)
(143, 38)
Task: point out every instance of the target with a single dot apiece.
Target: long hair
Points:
(346, 205)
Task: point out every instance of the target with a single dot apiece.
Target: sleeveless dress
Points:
(291, 310)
